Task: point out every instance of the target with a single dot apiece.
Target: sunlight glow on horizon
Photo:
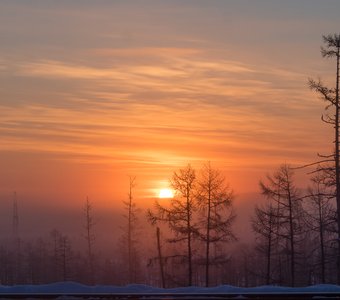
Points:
(85, 99)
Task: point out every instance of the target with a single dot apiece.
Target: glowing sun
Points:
(165, 193)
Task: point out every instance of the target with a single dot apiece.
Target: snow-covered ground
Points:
(73, 288)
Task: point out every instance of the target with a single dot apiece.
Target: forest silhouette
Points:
(194, 239)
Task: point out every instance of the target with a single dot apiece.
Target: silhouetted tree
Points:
(320, 217)
(129, 238)
(264, 224)
(65, 254)
(160, 256)
(215, 202)
(280, 188)
(55, 236)
(90, 238)
(179, 214)
(36, 262)
(62, 255)
(331, 97)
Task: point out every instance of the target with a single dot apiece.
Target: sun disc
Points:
(166, 193)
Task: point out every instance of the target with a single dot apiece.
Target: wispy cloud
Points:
(93, 92)
(151, 109)
(171, 73)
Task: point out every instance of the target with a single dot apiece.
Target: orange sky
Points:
(94, 91)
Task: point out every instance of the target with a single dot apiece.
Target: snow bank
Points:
(76, 288)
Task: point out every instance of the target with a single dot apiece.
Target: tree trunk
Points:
(207, 254)
(189, 241)
(269, 249)
(89, 224)
(160, 258)
(291, 238)
(336, 155)
(322, 245)
(129, 233)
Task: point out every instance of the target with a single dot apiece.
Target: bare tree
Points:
(331, 97)
(160, 256)
(215, 202)
(179, 214)
(62, 255)
(55, 236)
(320, 217)
(90, 238)
(280, 188)
(129, 237)
(264, 225)
(65, 252)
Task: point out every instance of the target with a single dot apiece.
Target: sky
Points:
(92, 92)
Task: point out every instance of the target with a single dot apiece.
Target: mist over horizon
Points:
(109, 219)
(170, 143)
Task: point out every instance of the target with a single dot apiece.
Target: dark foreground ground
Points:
(174, 296)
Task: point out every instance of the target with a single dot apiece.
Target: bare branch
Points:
(326, 93)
